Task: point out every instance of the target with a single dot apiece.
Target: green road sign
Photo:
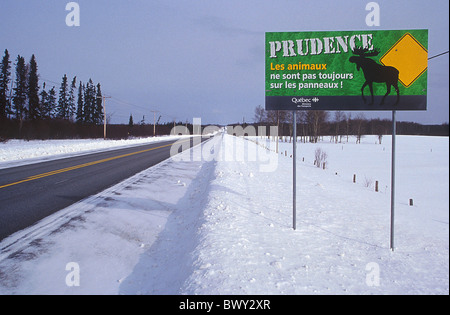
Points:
(348, 70)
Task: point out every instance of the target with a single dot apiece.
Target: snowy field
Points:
(218, 220)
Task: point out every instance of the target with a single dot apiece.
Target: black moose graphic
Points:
(374, 72)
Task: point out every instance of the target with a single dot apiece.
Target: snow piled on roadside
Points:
(202, 223)
(19, 152)
(107, 234)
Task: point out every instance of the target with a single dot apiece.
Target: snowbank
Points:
(19, 152)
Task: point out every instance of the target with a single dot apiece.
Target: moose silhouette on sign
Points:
(374, 72)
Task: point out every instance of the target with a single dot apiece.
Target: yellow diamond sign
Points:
(409, 57)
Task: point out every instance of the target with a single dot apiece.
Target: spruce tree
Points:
(130, 121)
(98, 117)
(20, 90)
(89, 102)
(43, 106)
(63, 101)
(5, 73)
(51, 110)
(80, 103)
(87, 109)
(33, 90)
(48, 103)
(71, 99)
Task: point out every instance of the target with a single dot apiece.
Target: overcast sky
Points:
(199, 58)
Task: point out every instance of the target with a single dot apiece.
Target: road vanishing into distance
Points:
(32, 192)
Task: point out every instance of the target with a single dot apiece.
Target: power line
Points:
(119, 101)
(445, 52)
(141, 107)
(49, 81)
(128, 103)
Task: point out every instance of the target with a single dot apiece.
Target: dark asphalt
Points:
(25, 203)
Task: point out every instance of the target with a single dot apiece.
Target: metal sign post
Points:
(393, 180)
(294, 157)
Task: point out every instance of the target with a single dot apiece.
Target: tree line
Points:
(24, 102)
(313, 124)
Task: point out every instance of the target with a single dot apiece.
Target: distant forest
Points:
(31, 110)
(311, 125)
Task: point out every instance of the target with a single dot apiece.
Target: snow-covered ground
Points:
(217, 220)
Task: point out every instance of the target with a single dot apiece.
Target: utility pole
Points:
(154, 121)
(103, 97)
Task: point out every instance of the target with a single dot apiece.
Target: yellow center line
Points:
(67, 169)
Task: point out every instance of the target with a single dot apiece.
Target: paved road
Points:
(32, 192)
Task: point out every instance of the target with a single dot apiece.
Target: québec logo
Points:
(304, 100)
(300, 100)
